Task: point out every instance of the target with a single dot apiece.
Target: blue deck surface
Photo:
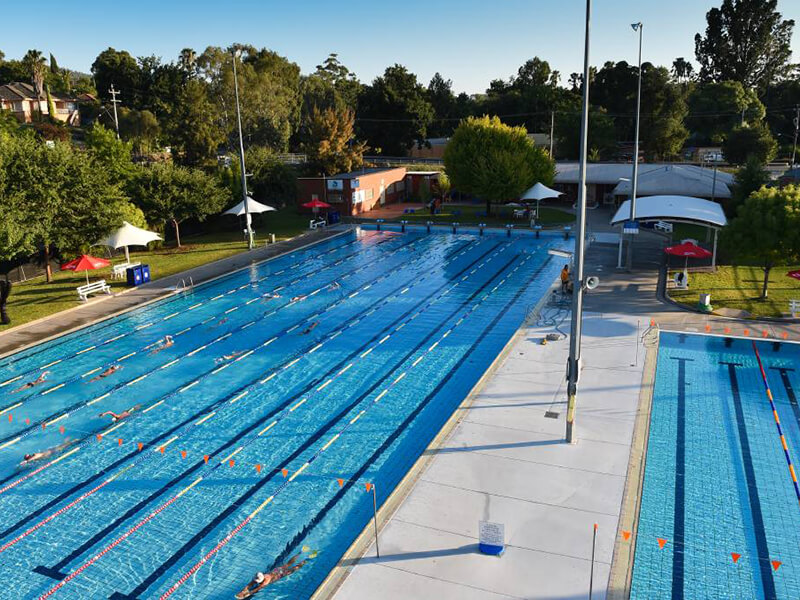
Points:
(716, 478)
(343, 362)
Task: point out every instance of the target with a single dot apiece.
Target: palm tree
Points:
(682, 69)
(37, 65)
(188, 60)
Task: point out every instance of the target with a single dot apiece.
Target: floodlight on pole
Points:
(640, 28)
(236, 54)
(574, 359)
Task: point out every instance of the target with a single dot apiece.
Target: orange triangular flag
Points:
(61, 429)
(595, 526)
(140, 445)
(746, 332)
(162, 449)
(27, 421)
(284, 472)
(183, 453)
(368, 486)
(708, 328)
(119, 442)
(205, 458)
(44, 425)
(735, 556)
(258, 468)
(340, 482)
(764, 333)
(626, 535)
(10, 418)
(99, 438)
(661, 542)
(784, 335)
(231, 462)
(652, 322)
(776, 565)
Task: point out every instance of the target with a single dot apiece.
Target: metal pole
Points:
(114, 103)
(636, 27)
(375, 520)
(796, 130)
(553, 126)
(714, 255)
(573, 362)
(591, 571)
(241, 155)
(714, 184)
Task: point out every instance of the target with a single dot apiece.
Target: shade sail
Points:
(539, 192)
(130, 235)
(673, 208)
(253, 207)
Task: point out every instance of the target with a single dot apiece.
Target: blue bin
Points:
(145, 273)
(134, 275)
(333, 217)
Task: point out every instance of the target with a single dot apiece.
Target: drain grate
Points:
(551, 415)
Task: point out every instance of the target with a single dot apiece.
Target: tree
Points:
(13, 70)
(187, 61)
(140, 127)
(682, 69)
(663, 110)
(394, 112)
(445, 108)
(329, 142)
(494, 161)
(120, 69)
(765, 230)
(746, 41)
(343, 81)
(273, 182)
(37, 67)
(194, 130)
(171, 194)
(602, 135)
(744, 142)
(716, 108)
(749, 179)
(109, 153)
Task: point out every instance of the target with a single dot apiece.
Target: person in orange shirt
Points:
(565, 279)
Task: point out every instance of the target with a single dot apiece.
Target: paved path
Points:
(101, 307)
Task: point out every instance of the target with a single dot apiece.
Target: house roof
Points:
(673, 208)
(19, 90)
(654, 178)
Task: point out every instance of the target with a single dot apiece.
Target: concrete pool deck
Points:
(507, 462)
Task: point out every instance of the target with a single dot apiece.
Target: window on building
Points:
(370, 194)
(390, 189)
(400, 185)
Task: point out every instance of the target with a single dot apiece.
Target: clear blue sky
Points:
(468, 41)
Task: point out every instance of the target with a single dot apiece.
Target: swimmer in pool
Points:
(39, 380)
(227, 357)
(269, 296)
(123, 415)
(299, 298)
(262, 580)
(163, 344)
(335, 286)
(109, 371)
(310, 328)
(222, 321)
(29, 459)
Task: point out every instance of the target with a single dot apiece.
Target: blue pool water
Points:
(716, 478)
(230, 466)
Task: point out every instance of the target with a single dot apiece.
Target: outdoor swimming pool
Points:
(718, 491)
(233, 465)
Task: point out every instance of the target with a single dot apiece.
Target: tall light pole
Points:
(635, 179)
(574, 360)
(236, 54)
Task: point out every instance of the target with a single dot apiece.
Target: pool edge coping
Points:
(358, 548)
(620, 576)
(166, 292)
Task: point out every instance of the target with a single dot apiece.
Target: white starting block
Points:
(794, 308)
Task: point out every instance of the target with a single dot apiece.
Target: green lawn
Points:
(740, 288)
(37, 298)
(501, 216)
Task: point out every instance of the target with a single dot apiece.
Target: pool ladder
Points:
(182, 286)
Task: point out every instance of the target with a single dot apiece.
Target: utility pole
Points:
(552, 130)
(241, 154)
(636, 27)
(796, 130)
(114, 103)
(574, 360)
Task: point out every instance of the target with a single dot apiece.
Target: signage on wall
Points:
(354, 183)
(359, 196)
(335, 184)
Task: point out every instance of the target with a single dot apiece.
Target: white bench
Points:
(794, 307)
(314, 223)
(93, 288)
(118, 271)
(663, 227)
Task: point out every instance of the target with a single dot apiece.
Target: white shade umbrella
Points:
(253, 207)
(540, 192)
(129, 235)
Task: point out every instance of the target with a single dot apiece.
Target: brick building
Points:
(356, 192)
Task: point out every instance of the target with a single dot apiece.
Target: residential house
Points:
(20, 98)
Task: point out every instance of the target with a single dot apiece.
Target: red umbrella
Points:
(688, 250)
(316, 205)
(85, 263)
(794, 274)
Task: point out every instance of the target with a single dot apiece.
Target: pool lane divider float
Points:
(11, 439)
(249, 387)
(93, 330)
(777, 424)
(268, 427)
(464, 248)
(249, 284)
(222, 543)
(225, 460)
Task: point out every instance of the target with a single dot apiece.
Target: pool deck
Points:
(105, 306)
(507, 462)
